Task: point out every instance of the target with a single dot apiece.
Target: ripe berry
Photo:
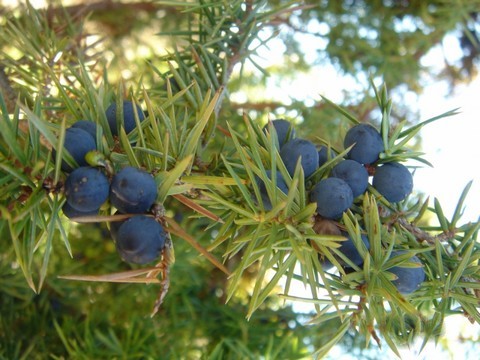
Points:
(354, 175)
(140, 239)
(324, 155)
(86, 189)
(281, 185)
(296, 148)
(114, 226)
(368, 143)
(393, 181)
(284, 129)
(71, 212)
(133, 190)
(348, 248)
(408, 278)
(88, 126)
(333, 197)
(78, 143)
(128, 116)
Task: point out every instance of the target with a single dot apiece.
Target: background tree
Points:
(195, 70)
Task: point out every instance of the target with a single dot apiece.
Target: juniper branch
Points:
(422, 235)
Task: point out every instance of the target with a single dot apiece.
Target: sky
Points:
(452, 146)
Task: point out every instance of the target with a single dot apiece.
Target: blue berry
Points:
(293, 149)
(115, 225)
(284, 129)
(140, 239)
(333, 197)
(133, 190)
(281, 185)
(78, 143)
(86, 189)
(71, 212)
(348, 248)
(368, 143)
(408, 279)
(393, 181)
(88, 126)
(354, 174)
(128, 116)
(324, 155)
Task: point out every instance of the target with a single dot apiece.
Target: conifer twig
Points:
(422, 235)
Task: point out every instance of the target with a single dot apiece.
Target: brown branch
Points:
(105, 12)
(237, 55)
(81, 10)
(422, 235)
(7, 91)
(259, 106)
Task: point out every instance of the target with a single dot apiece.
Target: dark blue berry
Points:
(133, 190)
(348, 248)
(368, 143)
(324, 155)
(71, 212)
(114, 226)
(128, 116)
(408, 278)
(354, 174)
(88, 126)
(86, 189)
(281, 185)
(284, 129)
(140, 239)
(333, 197)
(78, 143)
(297, 148)
(393, 181)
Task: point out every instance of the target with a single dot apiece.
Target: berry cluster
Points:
(347, 180)
(138, 239)
(350, 177)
